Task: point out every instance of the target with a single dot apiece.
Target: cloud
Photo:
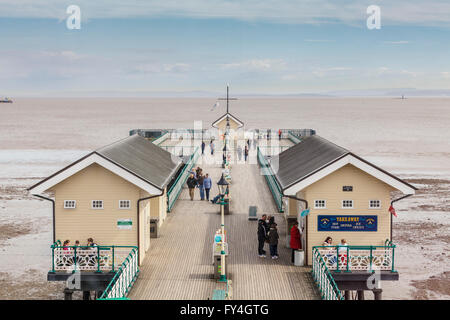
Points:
(396, 42)
(255, 65)
(431, 12)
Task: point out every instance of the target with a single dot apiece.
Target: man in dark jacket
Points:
(273, 240)
(191, 183)
(262, 235)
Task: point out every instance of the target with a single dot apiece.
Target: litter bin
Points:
(217, 270)
(299, 258)
(154, 229)
(226, 206)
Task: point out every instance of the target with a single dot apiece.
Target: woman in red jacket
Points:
(295, 242)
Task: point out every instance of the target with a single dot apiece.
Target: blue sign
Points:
(347, 223)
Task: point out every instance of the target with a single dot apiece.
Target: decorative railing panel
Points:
(323, 278)
(96, 258)
(271, 181)
(177, 187)
(358, 258)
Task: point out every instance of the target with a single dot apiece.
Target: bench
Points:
(252, 213)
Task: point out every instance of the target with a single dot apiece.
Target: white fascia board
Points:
(95, 158)
(349, 159)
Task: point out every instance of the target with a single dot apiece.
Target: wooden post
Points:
(68, 294)
(347, 295)
(377, 293)
(360, 294)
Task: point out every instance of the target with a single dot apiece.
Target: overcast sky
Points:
(259, 46)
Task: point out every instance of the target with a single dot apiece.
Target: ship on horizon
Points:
(6, 100)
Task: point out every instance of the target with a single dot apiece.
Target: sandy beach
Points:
(410, 138)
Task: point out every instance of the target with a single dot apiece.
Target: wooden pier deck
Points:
(179, 263)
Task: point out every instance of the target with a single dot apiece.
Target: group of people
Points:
(211, 147)
(90, 243)
(202, 182)
(268, 232)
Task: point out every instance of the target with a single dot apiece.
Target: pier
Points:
(179, 265)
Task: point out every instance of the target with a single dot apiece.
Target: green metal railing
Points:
(161, 138)
(323, 278)
(177, 187)
(125, 277)
(293, 137)
(271, 181)
(359, 258)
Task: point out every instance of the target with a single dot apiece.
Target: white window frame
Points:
(353, 204)
(125, 208)
(74, 204)
(318, 207)
(370, 202)
(97, 208)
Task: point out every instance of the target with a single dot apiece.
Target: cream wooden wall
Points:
(365, 188)
(98, 183)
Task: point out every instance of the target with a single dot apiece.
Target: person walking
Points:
(207, 183)
(279, 134)
(295, 242)
(191, 183)
(273, 240)
(203, 147)
(211, 146)
(239, 152)
(200, 181)
(245, 153)
(262, 235)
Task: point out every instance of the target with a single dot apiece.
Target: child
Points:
(273, 241)
(343, 252)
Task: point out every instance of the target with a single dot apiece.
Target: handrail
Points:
(294, 138)
(323, 278)
(120, 285)
(271, 182)
(162, 137)
(176, 188)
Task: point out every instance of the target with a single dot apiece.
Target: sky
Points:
(140, 48)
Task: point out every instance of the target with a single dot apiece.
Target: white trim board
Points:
(349, 159)
(95, 158)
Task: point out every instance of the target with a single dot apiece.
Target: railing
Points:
(270, 179)
(161, 138)
(180, 151)
(125, 277)
(323, 278)
(358, 258)
(273, 150)
(84, 258)
(293, 137)
(177, 187)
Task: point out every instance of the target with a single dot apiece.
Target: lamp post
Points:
(223, 185)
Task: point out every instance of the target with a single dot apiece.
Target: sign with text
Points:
(347, 223)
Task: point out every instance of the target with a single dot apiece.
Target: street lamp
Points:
(222, 184)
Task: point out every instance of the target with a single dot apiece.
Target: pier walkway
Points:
(179, 262)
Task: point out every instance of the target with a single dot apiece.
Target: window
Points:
(374, 204)
(70, 204)
(347, 204)
(124, 204)
(320, 204)
(97, 204)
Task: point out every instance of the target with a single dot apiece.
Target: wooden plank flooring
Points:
(179, 263)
